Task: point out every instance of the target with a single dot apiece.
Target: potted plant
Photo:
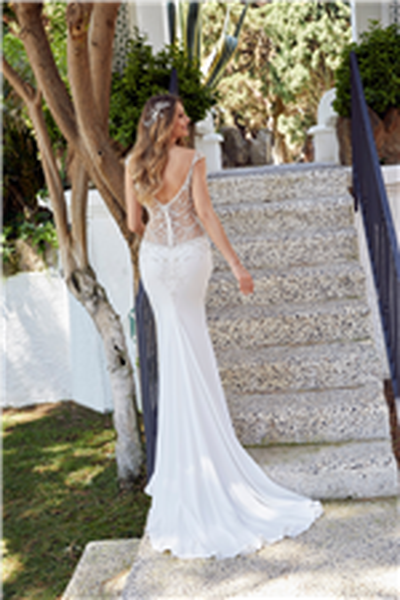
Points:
(378, 56)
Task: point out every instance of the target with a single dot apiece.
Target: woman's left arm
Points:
(134, 210)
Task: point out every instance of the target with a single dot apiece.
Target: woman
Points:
(209, 498)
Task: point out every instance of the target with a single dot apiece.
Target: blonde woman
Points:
(209, 498)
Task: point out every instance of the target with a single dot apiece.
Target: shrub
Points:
(145, 75)
(378, 56)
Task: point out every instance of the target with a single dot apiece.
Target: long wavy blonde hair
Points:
(148, 158)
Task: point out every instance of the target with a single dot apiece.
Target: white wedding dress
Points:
(209, 498)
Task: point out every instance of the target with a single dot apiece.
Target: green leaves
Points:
(190, 19)
(147, 74)
(224, 51)
(378, 56)
(193, 31)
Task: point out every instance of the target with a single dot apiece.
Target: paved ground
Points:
(353, 551)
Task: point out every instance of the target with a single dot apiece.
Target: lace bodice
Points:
(176, 221)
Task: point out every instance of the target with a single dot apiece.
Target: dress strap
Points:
(197, 156)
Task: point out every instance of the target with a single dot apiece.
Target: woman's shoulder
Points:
(188, 154)
(183, 154)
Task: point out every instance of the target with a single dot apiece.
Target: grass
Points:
(60, 492)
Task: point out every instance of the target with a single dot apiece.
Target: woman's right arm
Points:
(133, 208)
(214, 228)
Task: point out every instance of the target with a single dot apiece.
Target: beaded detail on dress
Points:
(176, 221)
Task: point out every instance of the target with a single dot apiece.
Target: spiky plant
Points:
(189, 16)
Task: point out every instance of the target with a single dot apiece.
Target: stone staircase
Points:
(297, 358)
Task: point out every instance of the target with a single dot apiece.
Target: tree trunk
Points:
(84, 286)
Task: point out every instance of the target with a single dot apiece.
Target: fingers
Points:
(244, 279)
(246, 284)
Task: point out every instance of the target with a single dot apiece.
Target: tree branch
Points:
(23, 88)
(93, 135)
(101, 39)
(44, 67)
(79, 197)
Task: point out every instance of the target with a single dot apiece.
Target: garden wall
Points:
(36, 343)
(52, 350)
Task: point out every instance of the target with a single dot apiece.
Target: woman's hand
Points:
(244, 279)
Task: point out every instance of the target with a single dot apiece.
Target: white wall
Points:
(51, 348)
(36, 341)
(150, 16)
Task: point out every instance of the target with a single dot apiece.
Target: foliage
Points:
(147, 74)
(286, 60)
(378, 56)
(38, 232)
(60, 493)
(190, 14)
(22, 172)
(8, 250)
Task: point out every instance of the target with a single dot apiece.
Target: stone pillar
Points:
(209, 142)
(326, 147)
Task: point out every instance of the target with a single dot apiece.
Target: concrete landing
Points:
(352, 551)
(102, 571)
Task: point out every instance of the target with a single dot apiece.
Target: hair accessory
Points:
(155, 112)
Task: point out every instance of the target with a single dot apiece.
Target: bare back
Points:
(178, 166)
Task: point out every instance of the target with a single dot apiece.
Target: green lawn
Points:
(60, 492)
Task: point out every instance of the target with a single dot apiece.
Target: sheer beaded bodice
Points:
(174, 222)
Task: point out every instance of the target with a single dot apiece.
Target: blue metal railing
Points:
(370, 194)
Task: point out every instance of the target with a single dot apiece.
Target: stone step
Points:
(276, 184)
(316, 367)
(102, 570)
(297, 215)
(288, 249)
(294, 285)
(365, 469)
(258, 326)
(311, 417)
